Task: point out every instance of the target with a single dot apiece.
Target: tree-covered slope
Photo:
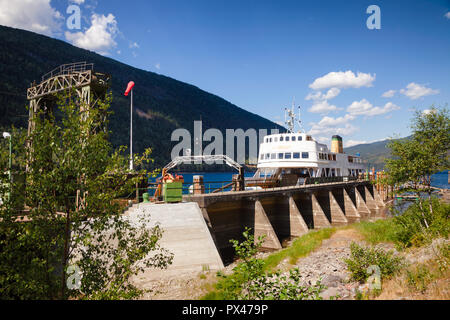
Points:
(373, 153)
(162, 104)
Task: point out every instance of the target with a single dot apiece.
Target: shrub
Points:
(250, 282)
(279, 286)
(411, 229)
(362, 258)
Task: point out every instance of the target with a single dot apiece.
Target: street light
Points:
(7, 135)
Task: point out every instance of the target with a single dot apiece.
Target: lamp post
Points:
(7, 135)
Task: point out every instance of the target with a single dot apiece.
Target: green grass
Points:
(378, 231)
(301, 247)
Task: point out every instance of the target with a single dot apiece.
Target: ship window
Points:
(280, 155)
(296, 155)
(275, 139)
(262, 156)
(334, 157)
(267, 139)
(281, 138)
(273, 156)
(305, 155)
(287, 155)
(287, 138)
(299, 138)
(267, 155)
(270, 140)
(293, 138)
(308, 138)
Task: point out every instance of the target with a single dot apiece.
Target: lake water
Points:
(440, 180)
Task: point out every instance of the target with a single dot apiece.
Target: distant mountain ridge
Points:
(374, 153)
(162, 104)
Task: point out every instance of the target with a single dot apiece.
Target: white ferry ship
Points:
(291, 157)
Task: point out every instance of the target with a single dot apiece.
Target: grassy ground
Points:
(301, 247)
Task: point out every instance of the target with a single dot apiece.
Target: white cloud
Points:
(346, 130)
(415, 91)
(134, 45)
(365, 108)
(447, 15)
(323, 107)
(158, 66)
(99, 37)
(333, 122)
(331, 93)
(389, 94)
(32, 15)
(331, 126)
(77, 1)
(342, 79)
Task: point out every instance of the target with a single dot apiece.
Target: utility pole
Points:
(7, 135)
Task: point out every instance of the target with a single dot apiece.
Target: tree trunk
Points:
(66, 249)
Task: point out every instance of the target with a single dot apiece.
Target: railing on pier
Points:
(227, 186)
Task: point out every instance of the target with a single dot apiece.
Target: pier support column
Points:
(264, 227)
(337, 215)
(363, 210)
(378, 198)
(351, 212)
(319, 218)
(297, 225)
(370, 201)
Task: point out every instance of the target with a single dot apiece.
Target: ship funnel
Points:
(336, 144)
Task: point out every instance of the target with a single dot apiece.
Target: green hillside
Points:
(164, 104)
(374, 153)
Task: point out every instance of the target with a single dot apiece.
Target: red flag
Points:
(130, 86)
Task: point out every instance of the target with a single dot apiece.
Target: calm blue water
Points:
(440, 180)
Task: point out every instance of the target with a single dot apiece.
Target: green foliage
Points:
(383, 230)
(280, 286)
(362, 258)
(410, 227)
(300, 247)
(250, 282)
(415, 160)
(73, 178)
(419, 277)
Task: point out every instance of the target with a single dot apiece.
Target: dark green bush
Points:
(362, 258)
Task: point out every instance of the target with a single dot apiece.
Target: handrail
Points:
(220, 157)
(68, 68)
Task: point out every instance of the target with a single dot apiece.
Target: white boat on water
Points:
(293, 156)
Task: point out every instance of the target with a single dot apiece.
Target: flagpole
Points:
(131, 132)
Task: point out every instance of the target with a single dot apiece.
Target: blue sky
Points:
(260, 55)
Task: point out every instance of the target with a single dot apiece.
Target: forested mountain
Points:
(373, 153)
(162, 104)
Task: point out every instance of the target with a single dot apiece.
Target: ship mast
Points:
(290, 119)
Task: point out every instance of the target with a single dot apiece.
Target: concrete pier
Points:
(185, 234)
(284, 212)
